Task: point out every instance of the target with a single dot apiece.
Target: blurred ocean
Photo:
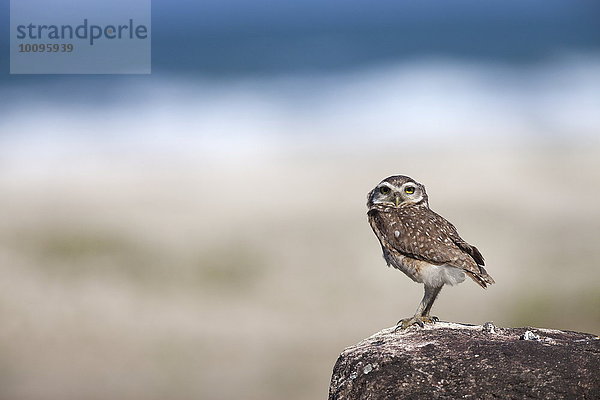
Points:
(231, 74)
(243, 77)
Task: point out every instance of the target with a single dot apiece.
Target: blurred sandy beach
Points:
(191, 279)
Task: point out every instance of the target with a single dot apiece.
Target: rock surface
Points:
(453, 361)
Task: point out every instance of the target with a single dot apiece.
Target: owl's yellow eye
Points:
(409, 190)
(384, 190)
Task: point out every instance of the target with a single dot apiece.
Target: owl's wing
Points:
(461, 243)
(425, 235)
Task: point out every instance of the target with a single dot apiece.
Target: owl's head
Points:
(397, 191)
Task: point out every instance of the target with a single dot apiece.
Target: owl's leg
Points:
(422, 314)
(431, 293)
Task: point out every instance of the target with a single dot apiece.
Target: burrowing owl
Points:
(421, 243)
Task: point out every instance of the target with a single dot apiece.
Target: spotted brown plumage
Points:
(420, 242)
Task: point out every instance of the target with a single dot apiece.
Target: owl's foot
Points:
(420, 320)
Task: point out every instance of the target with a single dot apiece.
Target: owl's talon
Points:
(429, 319)
(416, 320)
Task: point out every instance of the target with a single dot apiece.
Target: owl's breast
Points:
(411, 267)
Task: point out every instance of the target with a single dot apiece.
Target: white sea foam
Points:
(431, 101)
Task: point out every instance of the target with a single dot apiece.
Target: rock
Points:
(452, 361)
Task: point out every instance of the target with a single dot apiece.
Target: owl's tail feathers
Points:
(483, 279)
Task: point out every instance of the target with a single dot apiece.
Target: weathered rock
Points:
(453, 361)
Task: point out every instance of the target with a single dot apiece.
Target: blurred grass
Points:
(76, 254)
(233, 266)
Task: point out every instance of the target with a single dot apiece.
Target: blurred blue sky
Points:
(232, 37)
(272, 36)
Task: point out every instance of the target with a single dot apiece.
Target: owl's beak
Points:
(398, 201)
